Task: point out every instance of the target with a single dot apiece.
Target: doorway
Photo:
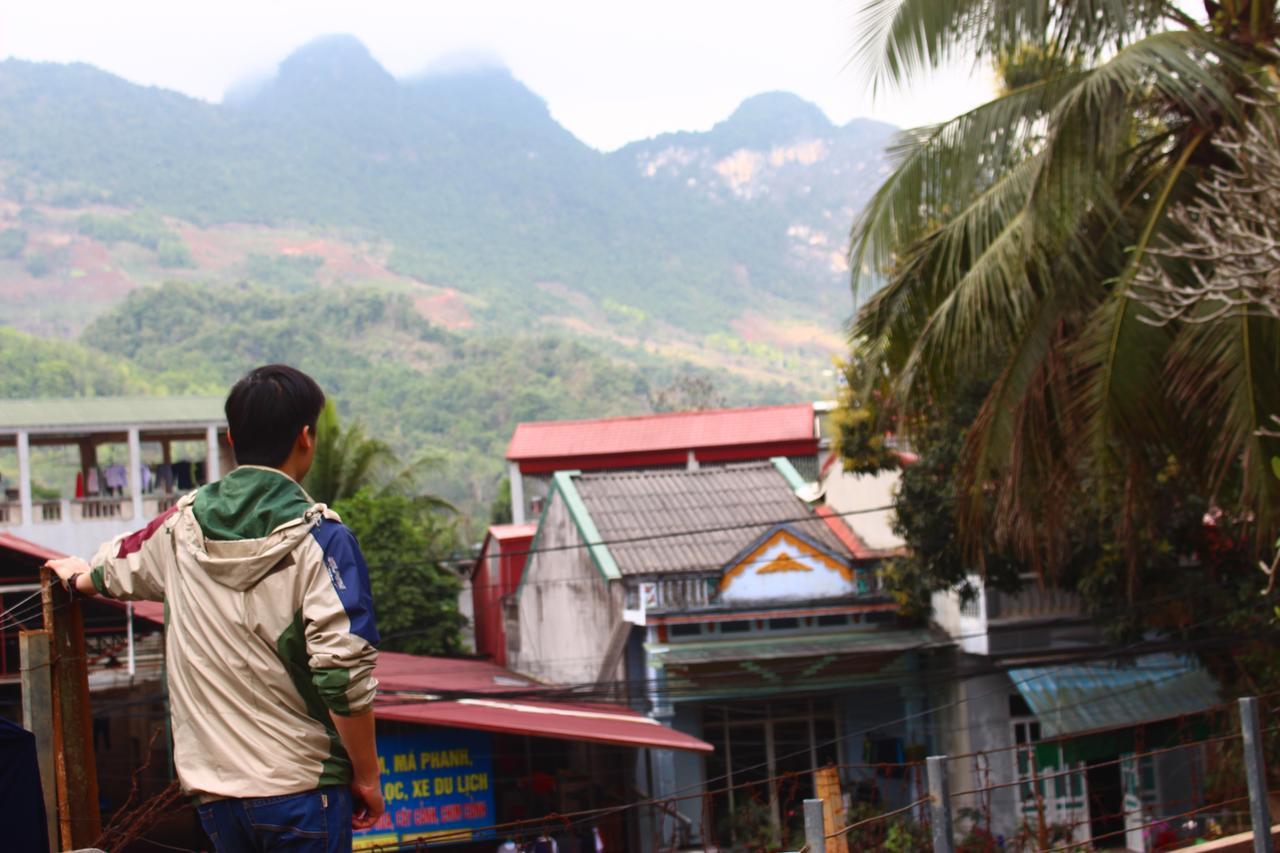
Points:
(1106, 804)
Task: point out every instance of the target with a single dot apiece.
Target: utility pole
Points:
(37, 717)
(1256, 774)
(75, 770)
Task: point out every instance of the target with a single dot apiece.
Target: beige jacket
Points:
(269, 628)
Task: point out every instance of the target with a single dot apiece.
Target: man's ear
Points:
(306, 438)
(230, 441)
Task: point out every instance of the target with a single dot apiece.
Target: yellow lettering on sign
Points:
(382, 764)
(422, 787)
(445, 758)
(473, 782)
(443, 785)
(393, 791)
(404, 763)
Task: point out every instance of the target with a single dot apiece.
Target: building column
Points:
(135, 473)
(24, 477)
(517, 492)
(213, 459)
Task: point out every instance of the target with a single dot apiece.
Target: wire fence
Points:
(909, 823)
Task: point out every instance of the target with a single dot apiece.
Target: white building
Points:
(75, 472)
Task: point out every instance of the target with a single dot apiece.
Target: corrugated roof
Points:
(672, 431)
(9, 542)
(694, 521)
(1083, 697)
(81, 412)
(397, 671)
(574, 721)
(401, 675)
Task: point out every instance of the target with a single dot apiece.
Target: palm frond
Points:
(1228, 375)
(901, 39)
(947, 167)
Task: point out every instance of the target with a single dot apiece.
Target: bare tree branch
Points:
(1232, 243)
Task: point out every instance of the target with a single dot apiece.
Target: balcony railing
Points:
(96, 509)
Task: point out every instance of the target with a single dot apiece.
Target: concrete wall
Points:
(566, 609)
(980, 723)
(848, 493)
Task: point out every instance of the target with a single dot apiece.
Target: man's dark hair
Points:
(267, 409)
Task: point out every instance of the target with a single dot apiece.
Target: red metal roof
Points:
(860, 549)
(397, 671)
(400, 675)
(676, 431)
(23, 546)
(152, 611)
(503, 532)
(844, 532)
(558, 720)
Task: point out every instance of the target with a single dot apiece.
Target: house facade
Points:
(1057, 721)
(721, 604)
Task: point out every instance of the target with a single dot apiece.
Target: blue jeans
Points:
(316, 821)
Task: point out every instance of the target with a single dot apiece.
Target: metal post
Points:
(940, 805)
(815, 833)
(133, 658)
(1256, 772)
(37, 718)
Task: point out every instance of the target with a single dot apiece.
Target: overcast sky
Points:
(610, 72)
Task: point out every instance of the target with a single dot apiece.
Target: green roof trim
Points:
(563, 483)
(789, 473)
(97, 412)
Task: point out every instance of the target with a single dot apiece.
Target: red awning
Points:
(558, 720)
(9, 542)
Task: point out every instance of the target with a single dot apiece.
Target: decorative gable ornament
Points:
(786, 565)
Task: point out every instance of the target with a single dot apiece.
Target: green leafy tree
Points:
(405, 545)
(1011, 235)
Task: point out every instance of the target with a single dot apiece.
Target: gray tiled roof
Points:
(737, 504)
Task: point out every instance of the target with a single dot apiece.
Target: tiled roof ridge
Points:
(654, 473)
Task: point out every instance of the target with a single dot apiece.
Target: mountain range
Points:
(469, 181)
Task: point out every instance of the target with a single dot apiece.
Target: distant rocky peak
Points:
(329, 65)
(774, 118)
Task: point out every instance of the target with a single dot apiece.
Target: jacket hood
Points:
(248, 522)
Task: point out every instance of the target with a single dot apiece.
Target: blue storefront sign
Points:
(437, 784)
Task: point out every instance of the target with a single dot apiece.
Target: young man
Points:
(269, 634)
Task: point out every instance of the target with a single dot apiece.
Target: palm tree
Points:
(346, 460)
(1010, 235)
